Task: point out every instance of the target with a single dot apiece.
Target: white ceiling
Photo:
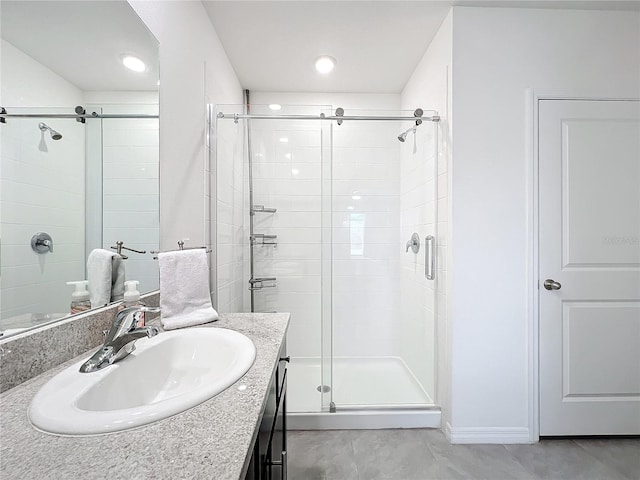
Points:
(273, 44)
(82, 41)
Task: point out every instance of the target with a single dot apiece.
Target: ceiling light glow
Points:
(284, 140)
(133, 63)
(275, 106)
(325, 64)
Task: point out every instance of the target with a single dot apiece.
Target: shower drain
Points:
(324, 388)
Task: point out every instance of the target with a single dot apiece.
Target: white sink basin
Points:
(165, 375)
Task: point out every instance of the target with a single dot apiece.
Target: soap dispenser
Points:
(132, 298)
(80, 298)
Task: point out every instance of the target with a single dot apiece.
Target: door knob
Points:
(550, 284)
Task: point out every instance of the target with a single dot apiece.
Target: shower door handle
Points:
(429, 257)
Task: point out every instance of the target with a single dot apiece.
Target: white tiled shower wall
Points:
(425, 315)
(366, 245)
(51, 174)
(416, 322)
(366, 237)
(368, 202)
(130, 183)
(287, 176)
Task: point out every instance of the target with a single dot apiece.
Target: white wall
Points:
(42, 182)
(497, 55)
(194, 71)
(24, 81)
(429, 87)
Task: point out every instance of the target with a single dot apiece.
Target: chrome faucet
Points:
(121, 338)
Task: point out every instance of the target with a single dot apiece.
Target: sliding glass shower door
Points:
(285, 233)
(327, 211)
(383, 306)
(290, 169)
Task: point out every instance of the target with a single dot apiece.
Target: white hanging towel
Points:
(184, 289)
(106, 275)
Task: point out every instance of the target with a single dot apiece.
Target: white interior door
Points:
(589, 206)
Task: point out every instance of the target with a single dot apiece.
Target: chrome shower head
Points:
(44, 127)
(403, 136)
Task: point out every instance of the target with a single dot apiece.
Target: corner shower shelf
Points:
(262, 209)
(262, 282)
(262, 239)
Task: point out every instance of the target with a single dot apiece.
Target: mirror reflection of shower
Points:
(44, 127)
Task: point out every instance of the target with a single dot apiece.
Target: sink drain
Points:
(324, 388)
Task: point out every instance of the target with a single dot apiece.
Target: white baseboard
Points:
(487, 434)
(364, 420)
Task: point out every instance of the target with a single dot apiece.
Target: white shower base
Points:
(369, 392)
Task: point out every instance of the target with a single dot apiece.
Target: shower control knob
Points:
(550, 284)
(413, 243)
(42, 242)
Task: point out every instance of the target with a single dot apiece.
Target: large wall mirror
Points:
(79, 165)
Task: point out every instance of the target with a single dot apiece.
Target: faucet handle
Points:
(128, 311)
(126, 320)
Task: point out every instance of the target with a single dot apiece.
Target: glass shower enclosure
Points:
(315, 217)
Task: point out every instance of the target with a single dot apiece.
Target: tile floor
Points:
(426, 454)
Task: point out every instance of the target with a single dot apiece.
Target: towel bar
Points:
(179, 249)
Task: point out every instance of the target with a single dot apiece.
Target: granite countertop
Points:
(212, 440)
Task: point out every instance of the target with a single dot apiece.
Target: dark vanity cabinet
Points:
(269, 460)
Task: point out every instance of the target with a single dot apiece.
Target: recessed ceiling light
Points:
(275, 106)
(133, 63)
(325, 64)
